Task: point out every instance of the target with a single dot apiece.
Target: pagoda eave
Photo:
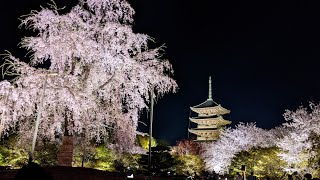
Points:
(205, 135)
(219, 121)
(204, 131)
(216, 110)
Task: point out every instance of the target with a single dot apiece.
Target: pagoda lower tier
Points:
(205, 134)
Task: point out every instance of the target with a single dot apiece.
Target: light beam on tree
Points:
(39, 115)
(150, 128)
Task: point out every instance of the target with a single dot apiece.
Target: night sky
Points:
(263, 57)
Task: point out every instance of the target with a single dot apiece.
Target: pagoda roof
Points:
(207, 103)
(209, 107)
(210, 120)
(214, 110)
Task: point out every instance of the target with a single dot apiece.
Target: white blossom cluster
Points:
(100, 75)
(293, 138)
(218, 155)
(297, 144)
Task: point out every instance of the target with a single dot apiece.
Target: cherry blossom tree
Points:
(187, 155)
(98, 81)
(218, 155)
(298, 146)
(184, 147)
(297, 139)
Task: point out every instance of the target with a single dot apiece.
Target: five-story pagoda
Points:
(208, 117)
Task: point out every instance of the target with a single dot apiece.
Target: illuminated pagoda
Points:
(208, 118)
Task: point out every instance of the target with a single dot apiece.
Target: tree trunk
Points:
(66, 151)
(82, 160)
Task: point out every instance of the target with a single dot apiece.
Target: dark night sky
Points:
(264, 57)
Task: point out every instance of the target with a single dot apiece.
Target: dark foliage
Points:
(32, 171)
(161, 161)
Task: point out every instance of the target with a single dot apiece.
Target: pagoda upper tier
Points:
(209, 108)
(210, 122)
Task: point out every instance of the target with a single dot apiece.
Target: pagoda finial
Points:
(210, 89)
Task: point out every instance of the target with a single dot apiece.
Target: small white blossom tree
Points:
(103, 75)
(218, 155)
(297, 145)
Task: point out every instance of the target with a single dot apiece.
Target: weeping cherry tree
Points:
(99, 79)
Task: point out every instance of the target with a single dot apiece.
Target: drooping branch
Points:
(8, 68)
